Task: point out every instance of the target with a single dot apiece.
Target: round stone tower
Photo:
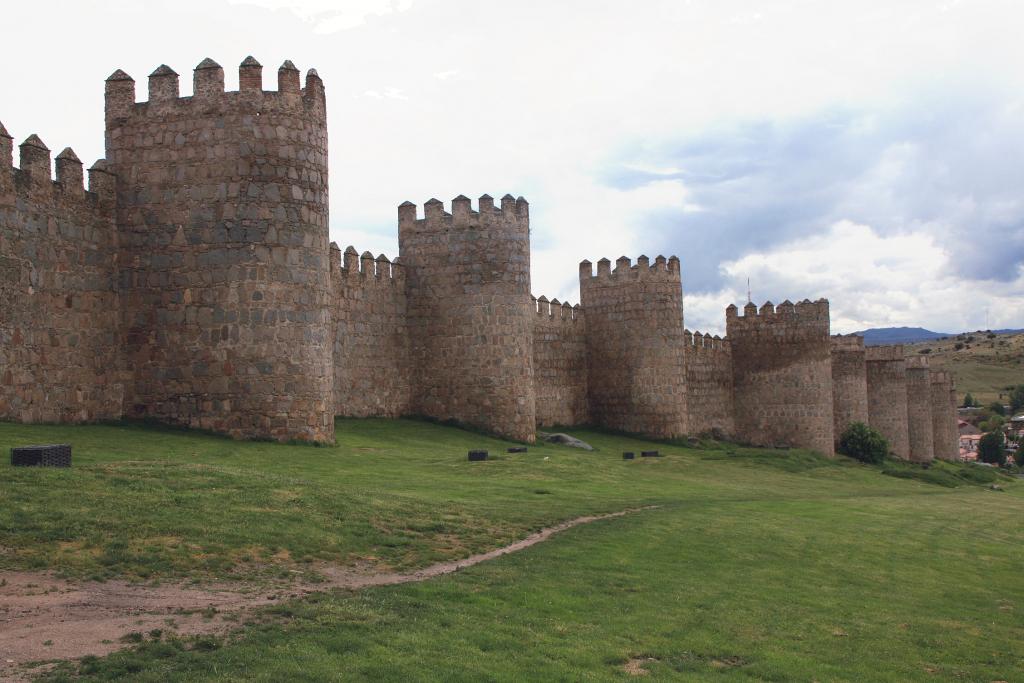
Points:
(920, 430)
(887, 396)
(470, 319)
(782, 374)
(222, 214)
(849, 382)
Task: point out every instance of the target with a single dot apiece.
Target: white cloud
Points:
(331, 16)
(870, 280)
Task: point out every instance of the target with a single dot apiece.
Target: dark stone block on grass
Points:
(650, 454)
(476, 456)
(53, 455)
(628, 455)
(517, 449)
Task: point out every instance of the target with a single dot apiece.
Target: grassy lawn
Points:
(759, 565)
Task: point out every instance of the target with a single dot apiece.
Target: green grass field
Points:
(758, 565)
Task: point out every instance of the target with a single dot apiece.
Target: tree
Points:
(990, 448)
(997, 408)
(863, 443)
(993, 423)
(1017, 398)
(969, 401)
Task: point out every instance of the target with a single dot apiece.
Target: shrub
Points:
(925, 351)
(997, 408)
(958, 346)
(863, 443)
(1017, 398)
(969, 401)
(990, 448)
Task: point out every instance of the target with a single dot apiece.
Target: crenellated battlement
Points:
(33, 180)
(208, 92)
(555, 310)
(917, 363)
(700, 342)
(462, 216)
(892, 352)
(803, 311)
(365, 267)
(662, 269)
(847, 342)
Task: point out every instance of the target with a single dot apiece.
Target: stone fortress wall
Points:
(782, 374)
(60, 355)
(887, 396)
(920, 431)
(370, 336)
(849, 382)
(222, 218)
(710, 404)
(193, 283)
(560, 363)
(635, 345)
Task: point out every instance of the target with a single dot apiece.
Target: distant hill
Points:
(878, 336)
(898, 335)
(983, 366)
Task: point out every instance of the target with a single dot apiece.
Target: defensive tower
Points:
(849, 382)
(222, 208)
(635, 345)
(470, 320)
(943, 402)
(920, 429)
(887, 396)
(782, 374)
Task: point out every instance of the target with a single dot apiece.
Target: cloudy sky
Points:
(868, 152)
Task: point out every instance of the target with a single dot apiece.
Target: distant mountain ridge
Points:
(878, 336)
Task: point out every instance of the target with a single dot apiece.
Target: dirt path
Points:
(46, 618)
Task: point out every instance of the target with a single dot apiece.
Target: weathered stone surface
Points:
(565, 440)
(635, 346)
(560, 372)
(849, 383)
(944, 430)
(920, 430)
(470, 325)
(782, 374)
(887, 396)
(222, 213)
(710, 405)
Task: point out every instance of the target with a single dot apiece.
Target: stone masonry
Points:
(193, 284)
(637, 377)
(920, 441)
(710, 404)
(782, 374)
(943, 403)
(887, 396)
(849, 382)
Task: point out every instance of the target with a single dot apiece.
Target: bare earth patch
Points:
(636, 666)
(46, 618)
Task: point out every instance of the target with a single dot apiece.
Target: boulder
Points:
(565, 440)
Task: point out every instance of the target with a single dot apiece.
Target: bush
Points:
(958, 346)
(990, 448)
(997, 408)
(1017, 398)
(863, 443)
